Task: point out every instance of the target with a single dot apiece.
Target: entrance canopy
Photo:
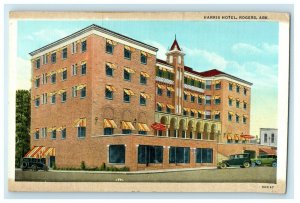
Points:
(159, 126)
(40, 152)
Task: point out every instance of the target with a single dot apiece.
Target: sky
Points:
(248, 50)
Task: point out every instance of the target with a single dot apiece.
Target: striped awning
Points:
(49, 130)
(109, 123)
(129, 70)
(236, 137)
(111, 65)
(144, 95)
(245, 102)
(231, 113)
(79, 87)
(127, 48)
(127, 125)
(194, 94)
(50, 151)
(146, 75)
(110, 88)
(51, 93)
(129, 92)
(186, 109)
(194, 110)
(143, 127)
(202, 96)
(160, 104)
(170, 89)
(237, 99)
(61, 70)
(229, 137)
(230, 97)
(61, 91)
(246, 116)
(216, 97)
(161, 86)
(109, 41)
(187, 92)
(145, 53)
(170, 106)
(60, 128)
(35, 152)
(81, 122)
(216, 112)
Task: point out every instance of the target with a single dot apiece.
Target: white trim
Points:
(165, 66)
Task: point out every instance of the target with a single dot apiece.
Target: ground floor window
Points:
(108, 131)
(117, 154)
(199, 136)
(81, 132)
(63, 133)
(179, 155)
(204, 155)
(150, 154)
(126, 131)
(143, 132)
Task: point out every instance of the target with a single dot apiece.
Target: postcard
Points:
(148, 102)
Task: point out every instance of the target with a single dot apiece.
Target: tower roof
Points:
(174, 45)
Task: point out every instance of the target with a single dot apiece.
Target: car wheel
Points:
(246, 164)
(274, 164)
(253, 164)
(24, 166)
(258, 162)
(223, 165)
(34, 168)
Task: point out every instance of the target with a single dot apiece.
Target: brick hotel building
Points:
(101, 97)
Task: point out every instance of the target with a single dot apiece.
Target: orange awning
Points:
(81, 122)
(143, 127)
(127, 125)
(268, 151)
(109, 123)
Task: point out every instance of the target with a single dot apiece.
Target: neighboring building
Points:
(101, 97)
(268, 136)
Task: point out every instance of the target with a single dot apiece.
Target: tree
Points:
(22, 124)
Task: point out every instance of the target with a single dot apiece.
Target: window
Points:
(237, 104)
(168, 110)
(108, 94)
(244, 120)
(143, 80)
(83, 46)
(64, 53)
(217, 101)
(44, 99)
(53, 99)
(143, 58)
(126, 97)
(199, 135)
(199, 115)
(150, 154)
(124, 131)
(159, 91)
(109, 71)
(185, 112)
(238, 89)
(207, 100)
(229, 117)
(159, 107)
(208, 84)
(53, 78)
(117, 154)
(159, 73)
(74, 91)
(207, 114)
(64, 75)
(237, 118)
(142, 100)
(109, 48)
(38, 63)
(179, 155)
(127, 75)
(64, 97)
(37, 82)
(37, 102)
(192, 114)
(230, 102)
(218, 86)
(74, 47)
(45, 58)
(192, 99)
(142, 132)
(245, 91)
(245, 105)
(217, 117)
(192, 82)
(44, 132)
(83, 92)
(265, 138)
(185, 96)
(53, 134)
(169, 94)
(199, 100)
(127, 54)
(53, 57)
(37, 134)
(74, 69)
(63, 133)
(81, 132)
(45, 78)
(204, 155)
(83, 69)
(272, 138)
(108, 131)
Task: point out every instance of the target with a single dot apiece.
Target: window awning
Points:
(129, 70)
(161, 86)
(159, 126)
(144, 95)
(127, 125)
(51, 93)
(35, 152)
(160, 104)
(236, 137)
(145, 53)
(49, 130)
(237, 99)
(146, 75)
(245, 102)
(170, 106)
(229, 137)
(81, 122)
(216, 97)
(129, 92)
(194, 110)
(143, 127)
(230, 97)
(109, 123)
(202, 96)
(50, 151)
(81, 86)
(61, 91)
(128, 48)
(60, 128)
(268, 151)
(186, 109)
(111, 42)
(216, 112)
(231, 113)
(61, 70)
(110, 88)
(111, 65)
(187, 92)
(247, 136)
(194, 94)
(216, 82)
(246, 116)
(201, 112)
(170, 89)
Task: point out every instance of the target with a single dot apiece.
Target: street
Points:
(253, 174)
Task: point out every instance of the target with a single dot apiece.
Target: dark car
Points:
(242, 160)
(34, 164)
(265, 160)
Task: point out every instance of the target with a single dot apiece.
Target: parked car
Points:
(242, 160)
(265, 160)
(34, 164)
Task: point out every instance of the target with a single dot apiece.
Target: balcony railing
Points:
(164, 80)
(190, 87)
